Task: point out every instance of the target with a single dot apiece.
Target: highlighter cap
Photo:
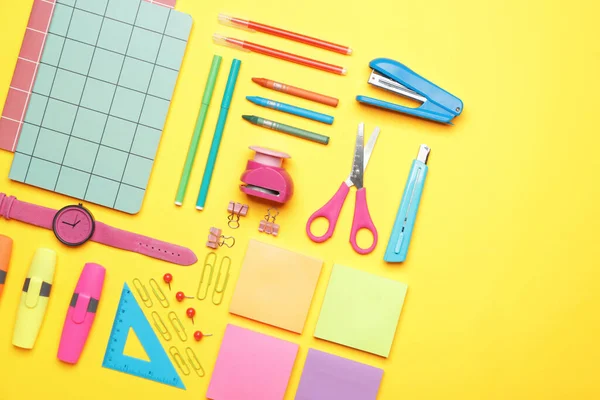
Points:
(6, 244)
(43, 265)
(91, 280)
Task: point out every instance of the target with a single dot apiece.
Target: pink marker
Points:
(81, 313)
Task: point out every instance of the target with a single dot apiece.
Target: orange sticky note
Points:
(276, 286)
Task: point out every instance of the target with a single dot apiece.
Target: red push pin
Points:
(190, 313)
(199, 335)
(168, 278)
(180, 296)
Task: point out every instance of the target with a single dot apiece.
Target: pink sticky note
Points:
(251, 365)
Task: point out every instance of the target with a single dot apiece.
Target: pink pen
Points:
(81, 313)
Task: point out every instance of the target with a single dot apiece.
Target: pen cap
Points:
(43, 265)
(231, 81)
(228, 20)
(212, 79)
(229, 42)
(5, 252)
(91, 280)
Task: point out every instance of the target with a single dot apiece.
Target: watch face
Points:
(73, 225)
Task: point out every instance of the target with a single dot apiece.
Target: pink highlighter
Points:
(81, 313)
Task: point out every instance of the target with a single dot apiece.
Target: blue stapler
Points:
(438, 105)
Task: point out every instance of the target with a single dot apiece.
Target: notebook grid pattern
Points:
(100, 100)
(21, 85)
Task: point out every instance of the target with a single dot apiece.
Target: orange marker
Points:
(5, 252)
(294, 91)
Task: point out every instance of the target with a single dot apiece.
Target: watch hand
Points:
(76, 223)
(65, 222)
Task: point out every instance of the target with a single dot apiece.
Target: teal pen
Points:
(287, 108)
(216, 142)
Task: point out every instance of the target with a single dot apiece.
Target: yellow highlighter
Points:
(34, 299)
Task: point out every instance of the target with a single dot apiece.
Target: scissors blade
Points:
(358, 163)
(371, 145)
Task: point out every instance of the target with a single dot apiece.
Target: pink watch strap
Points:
(143, 244)
(11, 208)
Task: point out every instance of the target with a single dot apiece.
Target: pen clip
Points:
(33, 291)
(80, 303)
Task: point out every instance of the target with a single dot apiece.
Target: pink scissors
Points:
(331, 210)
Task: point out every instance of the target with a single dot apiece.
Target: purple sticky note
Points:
(327, 377)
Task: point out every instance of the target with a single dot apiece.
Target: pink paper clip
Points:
(216, 239)
(236, 210)
(268, 224)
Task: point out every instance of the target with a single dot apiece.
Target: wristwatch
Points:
(74, 225)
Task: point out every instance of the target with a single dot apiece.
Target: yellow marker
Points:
(34, 299)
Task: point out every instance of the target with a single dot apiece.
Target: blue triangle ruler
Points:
(130, 315)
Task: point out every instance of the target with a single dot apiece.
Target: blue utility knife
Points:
(397, 247)
(438, 105)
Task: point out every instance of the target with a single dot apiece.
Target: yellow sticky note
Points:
(276, 286)
(361, 310)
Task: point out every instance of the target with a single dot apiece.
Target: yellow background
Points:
(503, 270)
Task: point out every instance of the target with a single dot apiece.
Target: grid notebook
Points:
(100, 100)
(25, 71)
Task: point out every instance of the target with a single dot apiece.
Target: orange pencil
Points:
(5, 251)
(294, 91)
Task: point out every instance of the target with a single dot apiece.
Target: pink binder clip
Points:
(236, 210)
(268, 224)
(216, 239)
(265, 178)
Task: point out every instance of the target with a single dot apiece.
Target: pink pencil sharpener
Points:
(265, 178)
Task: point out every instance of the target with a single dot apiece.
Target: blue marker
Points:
(287, 108)
(397, 247)
(216, 142)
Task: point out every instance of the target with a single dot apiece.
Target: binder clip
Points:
(265, 177)
(437, 104)
(216, 239)
(268, 224)
(236, 210)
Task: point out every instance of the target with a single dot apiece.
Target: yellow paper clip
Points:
(211, 267)
(194, 362)
(141, 289)
(178, 326)
(160, 295)
(160, 326)
(179, 360)
(220, 292)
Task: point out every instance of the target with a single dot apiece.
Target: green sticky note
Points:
(361, 310)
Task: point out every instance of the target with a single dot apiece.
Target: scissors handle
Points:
(331, 212)
(362, 220)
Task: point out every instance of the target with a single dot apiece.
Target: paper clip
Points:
(179, 360)
(221, 292)
(211, 267)
(160, 295)
(216, 239)
(235, 211)
(178, 326)
(194, 362)
(141, 289)
(268, 225)
(160, 326)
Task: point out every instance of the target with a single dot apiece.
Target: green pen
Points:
(290, 130)
(206, 98)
